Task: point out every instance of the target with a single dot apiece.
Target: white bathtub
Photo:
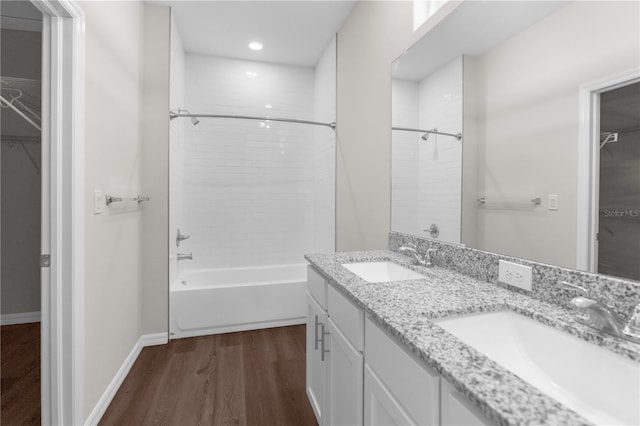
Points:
(211, 301)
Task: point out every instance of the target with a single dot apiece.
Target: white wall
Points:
(249, 186)
(374, 34)
(155, 169)
(20, 281)
(529, 89)
(114, 239)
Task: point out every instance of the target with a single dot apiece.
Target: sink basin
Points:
(598, 384)
(375, 272)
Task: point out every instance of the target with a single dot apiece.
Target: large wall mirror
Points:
(517, 131)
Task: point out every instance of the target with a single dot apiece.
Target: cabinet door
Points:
(316, 360)
(380, 407)
(456, 409)
(344, 380)
(415, 386)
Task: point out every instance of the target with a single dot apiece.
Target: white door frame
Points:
(62, 300)
(589, 165)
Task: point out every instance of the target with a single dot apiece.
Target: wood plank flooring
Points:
(249, 378)
(20, 374)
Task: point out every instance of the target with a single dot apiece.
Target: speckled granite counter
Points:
(406, 309)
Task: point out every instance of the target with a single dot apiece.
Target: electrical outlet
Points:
(514, 274)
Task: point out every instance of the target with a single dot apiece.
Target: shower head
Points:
(194, 120)
(425, 136)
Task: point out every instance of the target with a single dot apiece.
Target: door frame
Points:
(589, 165)
(62, 223)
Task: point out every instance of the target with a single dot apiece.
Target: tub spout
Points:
(184, 256)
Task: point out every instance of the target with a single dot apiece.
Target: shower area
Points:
(252, 188)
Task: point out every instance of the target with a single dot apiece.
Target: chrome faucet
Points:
(598, 316)
(423, 259)
(184, 256)
(181, 237)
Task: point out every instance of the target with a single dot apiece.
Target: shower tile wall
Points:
(404, 164)
(428, 170)
(324, 110)
(255, 192)
(176, 145)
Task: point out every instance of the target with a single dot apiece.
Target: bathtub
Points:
(211, 301)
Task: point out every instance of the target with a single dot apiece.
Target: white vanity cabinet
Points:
(316, 358)
(456, 409)
(398, 390)
(357, 374)
(335, 339)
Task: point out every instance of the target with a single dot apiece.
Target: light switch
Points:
(98, 201)
(553, 202)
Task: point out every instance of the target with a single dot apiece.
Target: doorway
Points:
(20, 166)
(608, 222)
(619, 183)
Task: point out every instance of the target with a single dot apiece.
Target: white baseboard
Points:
(103, 403)
(19, 318)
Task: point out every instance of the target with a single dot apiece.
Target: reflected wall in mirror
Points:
(427, 164)
(525, 161)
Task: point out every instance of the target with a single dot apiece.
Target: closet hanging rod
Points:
(458, 136)
(13, 139)
(173, 114)
(20, 113)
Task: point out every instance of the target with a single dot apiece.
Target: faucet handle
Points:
(430, 257)
(575, 287)
(181, 237)
(632, 328)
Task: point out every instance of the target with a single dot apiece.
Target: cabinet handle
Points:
(316, 332)
(324, 351)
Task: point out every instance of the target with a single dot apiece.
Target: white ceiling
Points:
(293, 32)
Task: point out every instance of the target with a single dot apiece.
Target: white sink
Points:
(601, 386)
(376, 272)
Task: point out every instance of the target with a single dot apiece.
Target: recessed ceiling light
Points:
(268, 106)
(255, 45)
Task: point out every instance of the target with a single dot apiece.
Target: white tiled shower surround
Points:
(426, 175)
(256, 192)
(176, 144)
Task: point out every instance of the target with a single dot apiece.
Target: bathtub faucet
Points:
(184, 256)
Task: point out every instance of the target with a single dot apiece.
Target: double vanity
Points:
(389, 342)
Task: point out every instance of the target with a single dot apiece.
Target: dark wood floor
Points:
(248, 378)
(20, 374)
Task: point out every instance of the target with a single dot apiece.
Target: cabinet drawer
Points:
(317, 286)
(347, 317)
(416, 387)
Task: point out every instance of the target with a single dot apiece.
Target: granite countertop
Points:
(406, 310)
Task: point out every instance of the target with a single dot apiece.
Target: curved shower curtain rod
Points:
(173, 114)
(458, 136)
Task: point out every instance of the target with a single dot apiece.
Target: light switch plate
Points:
(553, 202)
(515, 274)
(98, 201)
